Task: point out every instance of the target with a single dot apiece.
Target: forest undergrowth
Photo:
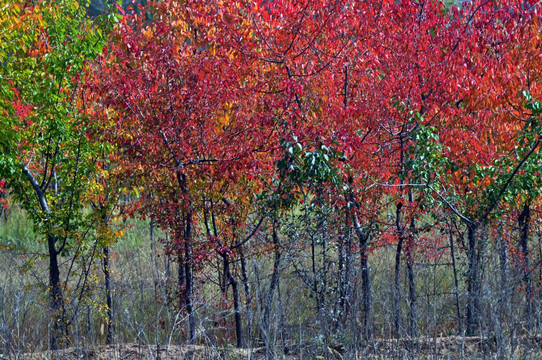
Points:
(149, 324)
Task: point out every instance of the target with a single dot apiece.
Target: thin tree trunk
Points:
(222, 276)
(363, 239)
(456, 284)
(399, 249)
(472, 281)
(109, 300)
(397, 274)
(236, 308)
(266, 325)
(181, 278)
(281, 328)
(410, 275)
(187, 261)
(348, 272)
(323, 318)
(504, 301)
(397, 288)
(55, 290)
(55, 293)
(223, 280)
(412, 296)
(152, 238)
(366, 290)
(524, 224)
(189, 291)
(342, 281)
(248, 299)
(344, 250)
(108, 291)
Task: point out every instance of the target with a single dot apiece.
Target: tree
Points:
(46, 158)
(474, 150)
(172, 100)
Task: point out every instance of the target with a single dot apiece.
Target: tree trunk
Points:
(342, 281)
(347, 273)
(456, 284)
(188, 293)
(185, 287)
(524, 224)
(55, 293)
(397, 289)
(109, 300)
(322, 295)
(473, 283)
(266, 325)
(397, 273)
(410, 275)
(248, 299)
(236, 309)
(363, 239)
(187, 258)
(181, 281)
(504, 299)
(344, 250)
(412, 296)
(55, 289)
(366, 290)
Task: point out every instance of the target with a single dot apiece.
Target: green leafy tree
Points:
(47, 153)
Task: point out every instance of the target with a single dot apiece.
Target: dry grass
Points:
(135, 351)
(146, 310)
(450, 347)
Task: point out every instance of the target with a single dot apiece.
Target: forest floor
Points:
(452, 347)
